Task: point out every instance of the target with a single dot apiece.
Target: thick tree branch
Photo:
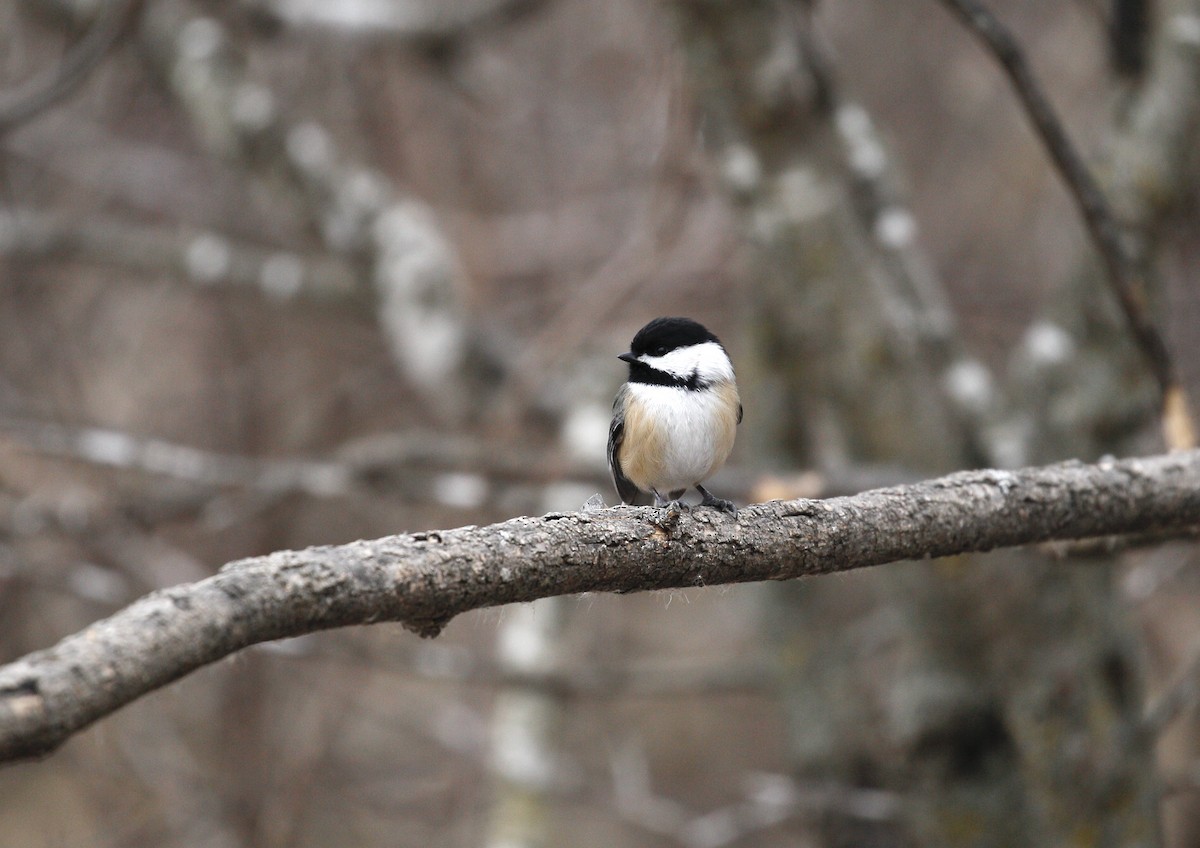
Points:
(424, 579)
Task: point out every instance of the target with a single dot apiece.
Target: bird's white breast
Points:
(695, 430)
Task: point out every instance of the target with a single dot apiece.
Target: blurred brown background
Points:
(276, 273)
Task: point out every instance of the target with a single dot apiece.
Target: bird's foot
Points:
(674, 505)
(716, 503)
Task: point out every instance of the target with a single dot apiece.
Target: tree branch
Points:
(43, 91)
(1123, 273)
(387, 461)
(422, 580)
(204, 259)
(411, 24)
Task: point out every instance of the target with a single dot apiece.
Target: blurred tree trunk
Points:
(526, 722)
(996, 694)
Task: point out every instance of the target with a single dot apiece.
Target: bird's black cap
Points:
(663, 335)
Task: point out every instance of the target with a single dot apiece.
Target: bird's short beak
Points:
(627, 357)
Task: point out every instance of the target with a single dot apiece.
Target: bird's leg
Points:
(715, 502)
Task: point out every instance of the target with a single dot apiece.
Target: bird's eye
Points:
(661, 350)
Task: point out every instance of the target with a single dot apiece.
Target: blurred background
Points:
(276, 273)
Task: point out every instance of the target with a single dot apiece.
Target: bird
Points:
(675, 419)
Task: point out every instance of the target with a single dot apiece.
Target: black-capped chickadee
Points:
(674, 421)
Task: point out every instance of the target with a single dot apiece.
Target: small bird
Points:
(675, 420)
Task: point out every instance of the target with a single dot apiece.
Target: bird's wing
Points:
(616, 435)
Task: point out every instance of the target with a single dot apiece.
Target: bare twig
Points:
(43, 91)
(360, 215)
(415, 24)
(1123, 273)
(1181, 694)
(771, 800)
(383, 460)
(442, 662)
(1128, 33)
(117, 449)
(916, 305)
(453, 664)
(424, 579)
(206, 260)
(1107, 546)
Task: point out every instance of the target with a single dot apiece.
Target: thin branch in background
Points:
(117, 449)
(418, 281)
(35, 96)
(1129, 36)
(1123, 274)
(206, 260)
(440, 662)
(917, 306)
(387, 462)
(1181, 694)
(403, 24)
(1111, 545)
(419, 284)
(770, 800)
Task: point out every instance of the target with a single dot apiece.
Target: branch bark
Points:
(422, 580)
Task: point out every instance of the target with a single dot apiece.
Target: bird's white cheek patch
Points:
(708, 361)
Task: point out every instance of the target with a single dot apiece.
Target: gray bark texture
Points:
(422, 580)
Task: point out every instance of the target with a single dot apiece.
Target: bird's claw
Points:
(719, 504)
(677, 506)
(722, 505)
